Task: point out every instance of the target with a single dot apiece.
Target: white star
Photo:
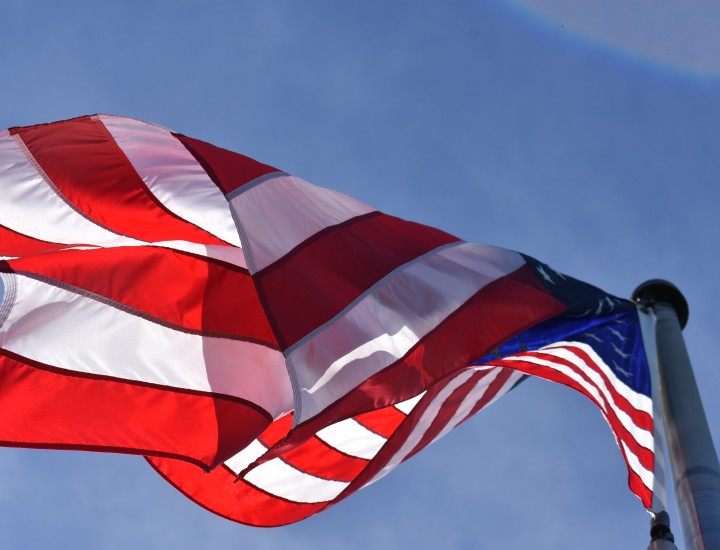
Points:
(620, 352)
(622, 371)
(618, 334)
(558, 273)
(545, 275)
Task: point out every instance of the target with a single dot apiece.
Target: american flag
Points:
(270, 346)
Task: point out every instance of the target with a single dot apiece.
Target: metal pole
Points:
(661, 538)
(694, 463)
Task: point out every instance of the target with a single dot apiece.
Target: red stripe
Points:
(177, 288)
(454, 401)
(640, 418)
(398, 439)
(383, 422)
(239, 501)
(47, 408)
(227, 169)
(394, 443)
(645, 456)
(447, 410)
(90, 170)
(276, 431)
(495, 386)
(13, 243)
(319, 459)
(498, 311)
(219, 493)
(639, 488)
(314, 456)
(339, 264)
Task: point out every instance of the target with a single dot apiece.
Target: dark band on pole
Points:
(655, 291)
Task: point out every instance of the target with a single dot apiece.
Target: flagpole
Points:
(661, 538)
(693, 460)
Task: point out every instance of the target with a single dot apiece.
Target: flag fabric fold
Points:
(270, 346)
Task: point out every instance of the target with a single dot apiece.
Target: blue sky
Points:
(584, 134)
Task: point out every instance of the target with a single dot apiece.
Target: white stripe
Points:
(641, 435)
(229, 254)
(7, 296)
(389, 320)
(646, 476)
(467, 404)
(279, 479)
(246, 457)
(351, 438)
(424, 423)
(637, 400)
(77, 333)
(283, 211)
(479, 391)
(408, 405)
(475, 395)
(28, 205)
(566, 371)
(402, 340)
(173, 175)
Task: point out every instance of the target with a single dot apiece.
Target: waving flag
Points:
(270, 346)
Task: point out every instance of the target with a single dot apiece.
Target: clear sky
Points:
(584, 134)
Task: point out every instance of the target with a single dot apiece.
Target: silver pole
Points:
(660, 536)
(693, 460)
